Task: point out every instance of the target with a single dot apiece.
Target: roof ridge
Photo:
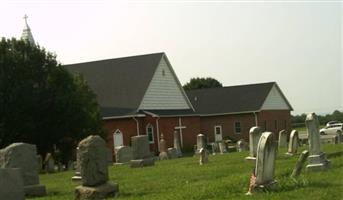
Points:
(110, 59)
(231, 86)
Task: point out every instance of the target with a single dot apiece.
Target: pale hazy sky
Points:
(298, 44)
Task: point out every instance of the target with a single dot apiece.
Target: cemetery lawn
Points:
(224, 177)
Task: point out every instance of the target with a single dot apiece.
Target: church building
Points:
(141, 95)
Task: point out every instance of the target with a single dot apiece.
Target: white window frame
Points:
(240, 127)
(220, 127)
(152, 133)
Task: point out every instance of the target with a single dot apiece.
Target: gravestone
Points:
(163, 149)
(49, 163)
(11, 184)
(222, 147)
(265, 162)
(200, 143)
(77, 176)
(339, 138)
(172, 153)
(141, 152)
(123, 154)
(293, 143)
(242, 145)
(40, 163)
(317, 159)
(177, 145)
(94, 172)
(300, 163)
(214, 147)
(24, 157)
(109, 157)
(203, 156)
(283, 135)
(254, 137)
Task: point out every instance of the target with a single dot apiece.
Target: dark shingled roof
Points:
(119, 83)
(232, 99)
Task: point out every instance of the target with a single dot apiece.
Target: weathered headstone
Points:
(200, 143)
(94, 172)
(123, 154)
(300, 163)
(242, 145)
(49, 163)
(283, 135)
(141, 152)
(163, 149)
(172, 153)
(177, 144)
(222, 147)
(109, 157)
(40, 163)
(339, 137)
(317, 159)
(77, 176)
(11, 184)
(24, 157)
(254, 137)
(203, 156)
(293, 143)
(70, 165)
(265, 162)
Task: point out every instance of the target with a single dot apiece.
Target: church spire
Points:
(27, 35)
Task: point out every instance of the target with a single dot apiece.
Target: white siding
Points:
(164, 91)
(275, 101)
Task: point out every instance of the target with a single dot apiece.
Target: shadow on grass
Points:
(130, 194)
(335, 154)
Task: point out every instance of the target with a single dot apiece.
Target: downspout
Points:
(256, 121)
(137, 124)
(158, 133)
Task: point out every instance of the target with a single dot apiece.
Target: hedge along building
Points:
(229, 112)
(141, 95)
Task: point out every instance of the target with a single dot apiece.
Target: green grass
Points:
(224, 177)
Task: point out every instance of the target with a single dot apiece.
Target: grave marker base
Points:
(98, 192)
(142, 162)
(318, 162)
(34, 190)
(266, 186)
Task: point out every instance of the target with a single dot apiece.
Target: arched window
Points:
(118, 138)
(150, 133)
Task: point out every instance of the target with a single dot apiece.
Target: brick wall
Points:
(275, 120)
(196, 125)
(281, 117)
(128, 127)
(228, 128)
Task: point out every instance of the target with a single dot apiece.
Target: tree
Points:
(198, 83)
(41, 102)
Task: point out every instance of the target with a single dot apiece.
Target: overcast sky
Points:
(298, 44)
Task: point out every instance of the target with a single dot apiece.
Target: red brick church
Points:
(142, 95)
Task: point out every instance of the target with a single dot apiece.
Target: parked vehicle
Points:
(335, 128)
(332, 123)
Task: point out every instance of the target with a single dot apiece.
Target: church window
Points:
(150, 133)
(238, 127)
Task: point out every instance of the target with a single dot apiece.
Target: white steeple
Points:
(27, 35)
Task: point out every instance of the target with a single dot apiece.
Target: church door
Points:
(218, 135)
(118, 138)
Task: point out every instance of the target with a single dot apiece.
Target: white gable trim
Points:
(147, 102)
(275, 100)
